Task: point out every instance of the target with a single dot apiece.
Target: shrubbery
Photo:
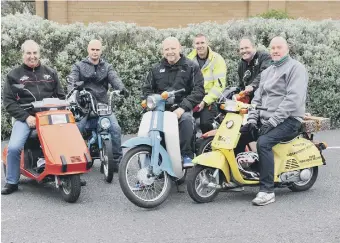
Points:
(133, 50)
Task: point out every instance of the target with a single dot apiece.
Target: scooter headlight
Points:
(105, 123)
(151, 102)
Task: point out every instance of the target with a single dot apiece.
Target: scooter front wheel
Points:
(205, 145)
(107, 160)
(138, 183)
(70, 187)
(197, 184)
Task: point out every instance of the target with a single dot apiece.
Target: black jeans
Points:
(186, 131)
(207, 116)
(283, 132)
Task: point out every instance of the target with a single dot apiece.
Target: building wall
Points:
(167, 14)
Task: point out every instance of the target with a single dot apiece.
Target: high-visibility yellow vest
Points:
(214, 69)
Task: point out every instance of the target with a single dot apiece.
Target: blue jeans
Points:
(19, 135)
(115, 131)
(283, 132)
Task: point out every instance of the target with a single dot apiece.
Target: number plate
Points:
(58, 119)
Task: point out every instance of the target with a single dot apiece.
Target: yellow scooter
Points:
(296, 161)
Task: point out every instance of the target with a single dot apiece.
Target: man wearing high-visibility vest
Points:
(214, 71)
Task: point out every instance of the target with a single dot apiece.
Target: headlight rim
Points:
(107, 120)
(153, 102)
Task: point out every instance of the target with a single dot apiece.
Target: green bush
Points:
(133, 50)
(274, 14)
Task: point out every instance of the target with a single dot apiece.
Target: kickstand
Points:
(178, 189)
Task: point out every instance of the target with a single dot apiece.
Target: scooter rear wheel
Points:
(197, 184)
(70, 188)
(141, 189)
(108, 162)
(304, 186)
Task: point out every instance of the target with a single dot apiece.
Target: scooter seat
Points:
(33, 134)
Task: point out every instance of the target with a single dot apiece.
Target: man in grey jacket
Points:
(283, 90)
(97, 75)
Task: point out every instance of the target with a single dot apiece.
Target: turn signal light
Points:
(243, 111)
(144, 104)
(222, 106)
(165, 95)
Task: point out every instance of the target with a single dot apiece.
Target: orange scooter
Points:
(54, 151)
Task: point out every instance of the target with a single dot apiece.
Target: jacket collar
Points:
(31, 69)
(282, 61)
(87, 60)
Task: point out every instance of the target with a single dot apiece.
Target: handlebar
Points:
(26, 105)
(261, 108)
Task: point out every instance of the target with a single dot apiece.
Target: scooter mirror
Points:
(18, 87)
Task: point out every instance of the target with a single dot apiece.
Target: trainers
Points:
(9, 188)
(264, 198)
(187, 162)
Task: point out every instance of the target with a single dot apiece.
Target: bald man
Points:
(283, 90)
(175, 72)
(42, 82)
(97, 74)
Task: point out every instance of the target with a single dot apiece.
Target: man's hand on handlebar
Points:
(30, 121)
(179, 112)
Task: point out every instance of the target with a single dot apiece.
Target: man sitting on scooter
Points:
(42, 82)
(251, 65)
(214, 71)
(283, 90)
(175, 72)
(97, 74)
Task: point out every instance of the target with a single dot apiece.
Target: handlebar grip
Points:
(26, 105)
(180, 90)
(261, 108)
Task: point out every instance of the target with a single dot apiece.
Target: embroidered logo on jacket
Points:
(24, 78)
(162, 70)
(47, 76)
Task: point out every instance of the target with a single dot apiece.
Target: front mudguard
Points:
(166, 164)
(214, 159)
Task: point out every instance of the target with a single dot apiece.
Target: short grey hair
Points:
(251, 40)
(28, 43)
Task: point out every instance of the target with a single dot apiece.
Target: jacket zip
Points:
(36, 78)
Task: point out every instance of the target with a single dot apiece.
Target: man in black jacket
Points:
(251, 65)
(97, 74)
(42, 82)
(175, 72)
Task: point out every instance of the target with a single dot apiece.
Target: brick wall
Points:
(164, 14)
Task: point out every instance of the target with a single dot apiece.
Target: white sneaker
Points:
(264, 198)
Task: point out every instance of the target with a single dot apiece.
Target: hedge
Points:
(133, 50)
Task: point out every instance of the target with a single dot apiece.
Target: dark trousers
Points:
(207, 116)
(186, 131)
(283, 132)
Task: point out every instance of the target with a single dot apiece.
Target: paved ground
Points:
(37, 213)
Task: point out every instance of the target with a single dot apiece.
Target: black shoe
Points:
(9, 188)
(82, 182)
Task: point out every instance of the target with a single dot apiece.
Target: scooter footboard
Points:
(214, 159)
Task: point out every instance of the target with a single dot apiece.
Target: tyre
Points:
(305, 185)
(197, 184)
(70, 188)
(137, 182)
(107, 160)
(205, 145)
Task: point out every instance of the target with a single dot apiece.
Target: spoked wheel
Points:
(70, 188)
(205, 145)
(197, 184)
(107, 160)
(138, 183)
(310, 175)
